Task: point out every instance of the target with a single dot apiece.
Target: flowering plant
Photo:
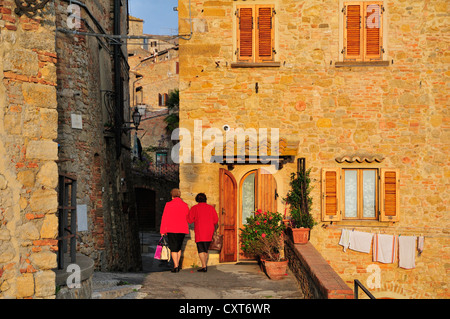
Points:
(262, 235)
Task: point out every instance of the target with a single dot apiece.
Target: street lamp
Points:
(136, 118)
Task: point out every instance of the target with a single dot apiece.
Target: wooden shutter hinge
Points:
(382, 9)
(274, 12)
(344, 10)
(274, 51)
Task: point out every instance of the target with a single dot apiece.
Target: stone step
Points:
(115, 292)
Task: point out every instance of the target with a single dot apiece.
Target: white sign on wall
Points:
(82, 222)
(77, 121)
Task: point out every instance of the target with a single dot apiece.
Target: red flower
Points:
(263, 235)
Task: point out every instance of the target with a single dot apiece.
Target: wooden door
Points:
(265, 198)
(266, 188)
(227, 215)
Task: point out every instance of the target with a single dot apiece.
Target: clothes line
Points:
(429, 233)
(386, 248)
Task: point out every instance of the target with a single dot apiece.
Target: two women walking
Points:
(174, 223)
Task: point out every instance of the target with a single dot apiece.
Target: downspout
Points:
(118, 85)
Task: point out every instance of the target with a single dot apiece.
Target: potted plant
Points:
(300, 202)
(262, 237)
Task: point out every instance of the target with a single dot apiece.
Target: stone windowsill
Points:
(255, 65)
(361, 63)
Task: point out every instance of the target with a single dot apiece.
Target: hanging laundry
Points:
(385, 248)
(420, 243)
(360, 241)
(407, 252)
(345, 238)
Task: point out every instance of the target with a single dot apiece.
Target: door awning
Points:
(251, 152)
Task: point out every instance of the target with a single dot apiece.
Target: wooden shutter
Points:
(353, 35)
(389, 195)
(245, 22)
(373, 31)
(159, 99)
(265, 33)
(330, 194)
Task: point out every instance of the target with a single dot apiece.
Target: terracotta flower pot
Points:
(300, 235)
(275, 270)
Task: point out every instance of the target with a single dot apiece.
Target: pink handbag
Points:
(158, 250)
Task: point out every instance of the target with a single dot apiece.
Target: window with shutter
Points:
(360, 194)
(255, 33)
(363, 31)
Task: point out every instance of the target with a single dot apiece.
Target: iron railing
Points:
(358, 285)
(67, 208)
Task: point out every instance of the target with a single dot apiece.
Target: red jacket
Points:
(174, 217)
(204, 216)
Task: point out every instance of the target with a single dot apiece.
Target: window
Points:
(162, 99)
(360, 194)
(363, 31)
(255, 33)
(161, 158)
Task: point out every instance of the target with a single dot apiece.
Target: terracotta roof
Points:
(360, 157)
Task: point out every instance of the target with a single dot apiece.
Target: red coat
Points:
(204, 217)
(174, 217)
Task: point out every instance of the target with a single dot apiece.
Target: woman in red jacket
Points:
(174, 224)
(204, 217)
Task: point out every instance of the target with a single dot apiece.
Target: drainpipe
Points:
(118, 85)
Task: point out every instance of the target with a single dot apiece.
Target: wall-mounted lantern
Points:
(136, 117)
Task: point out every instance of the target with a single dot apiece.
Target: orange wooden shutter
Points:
(245, 34)
(353, 31)
(373, 31)
(389, 195)
(330, 194)
(265, 33)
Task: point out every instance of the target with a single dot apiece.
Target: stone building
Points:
(93, 76)
(358, 89)
(28, 172)
(58, 116)
(153, 76)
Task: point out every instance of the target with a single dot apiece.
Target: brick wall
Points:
(314, 275)
(28, 172)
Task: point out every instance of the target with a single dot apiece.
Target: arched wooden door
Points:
(257, 190)
(227, 215)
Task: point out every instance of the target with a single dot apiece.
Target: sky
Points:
(158, 15)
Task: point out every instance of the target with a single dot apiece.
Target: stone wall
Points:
(28, 172)
(399, 110)
(86, 88)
